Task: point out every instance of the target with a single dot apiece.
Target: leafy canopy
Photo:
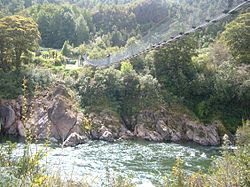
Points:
(18, 35)
(237, 38)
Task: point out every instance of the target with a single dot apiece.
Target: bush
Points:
(125, 91)
(236, 37)
(10, 86)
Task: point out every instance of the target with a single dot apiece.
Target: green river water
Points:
(144, 163)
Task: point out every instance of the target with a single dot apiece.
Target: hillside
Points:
(169, 79)
(208, 56)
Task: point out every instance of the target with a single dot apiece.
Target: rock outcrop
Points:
(8, 117)
(105, 126)
(158, 126)
(55, 117)
(143, 133)
(62, 118)
(163, 126)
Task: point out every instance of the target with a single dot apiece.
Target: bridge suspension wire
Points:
(160, 40)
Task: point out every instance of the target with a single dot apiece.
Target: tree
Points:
(16, 5)
(67, 26)
(237, 38)
(82, 31)
(117, 39)
(18, 35)
(66, 49)
(44, 22)
(173, 66)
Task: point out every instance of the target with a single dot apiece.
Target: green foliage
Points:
(178, 174)
(203, 110)
(18, 35)
(11, 82)
(125, 91)
(220, 89)
(84, 21)
(66, 49)
(233, 168)
(174, 68)
(24, 170)
(243, 134)
(58, 24)
(237, 38)
(126, 67)
(10, 86)
(82, 31)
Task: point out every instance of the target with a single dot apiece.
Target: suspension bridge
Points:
(144, 46)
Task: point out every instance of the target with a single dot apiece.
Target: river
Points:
(144, 163)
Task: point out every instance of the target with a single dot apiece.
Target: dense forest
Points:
(205, 74)
(114, 23)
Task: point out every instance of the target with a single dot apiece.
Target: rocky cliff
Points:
(55, 116)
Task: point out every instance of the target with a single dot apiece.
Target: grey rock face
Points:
(7, 116)
(61, 117)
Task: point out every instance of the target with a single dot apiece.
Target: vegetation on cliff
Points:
(207, 73)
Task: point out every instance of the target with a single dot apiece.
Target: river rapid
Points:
(144, 163)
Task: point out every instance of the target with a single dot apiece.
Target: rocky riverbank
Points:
(55, 114)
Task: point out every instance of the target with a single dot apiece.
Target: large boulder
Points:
(56, 117)
(7, 116)
(62, 117)
(143, 133)
(74, 139)
(107, 136)
(202, 134)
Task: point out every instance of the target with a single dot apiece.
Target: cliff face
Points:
(51, 115)
(55, 116)
(162, 125)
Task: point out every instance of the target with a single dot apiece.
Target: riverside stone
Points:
(7, 115)
(107, 136)
(53, 117)
(74, 139)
